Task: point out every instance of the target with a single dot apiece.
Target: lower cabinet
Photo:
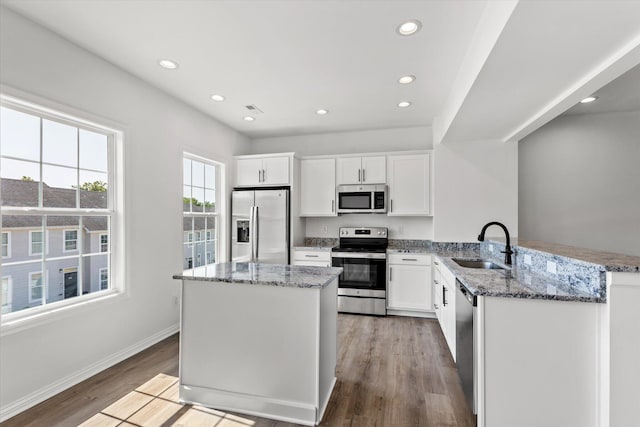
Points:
(410, 290)
(444, 282)
(312, 258)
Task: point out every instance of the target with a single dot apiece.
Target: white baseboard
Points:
(14, 408)
(411, 313)
(325, 402)
(260, 406)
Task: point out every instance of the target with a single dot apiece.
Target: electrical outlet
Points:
(325, 229)
(527, 259)
(551, 267)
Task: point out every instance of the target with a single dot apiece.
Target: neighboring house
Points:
(199, 242)
(71, 251)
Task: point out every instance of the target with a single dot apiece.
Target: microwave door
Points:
(354, 202)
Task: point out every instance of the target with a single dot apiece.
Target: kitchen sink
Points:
(477, 263)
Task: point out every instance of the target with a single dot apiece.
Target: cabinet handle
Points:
(409, 259)
(363, 179)
(444, 296)
(359, 180)
(390, 273)
(259, 175)
(311, 256)
(391, 205)
(333, 206)
(264, 175)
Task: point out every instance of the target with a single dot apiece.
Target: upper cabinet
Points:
(318, 187)
(409, 185)
(362, 170)
(257, 171)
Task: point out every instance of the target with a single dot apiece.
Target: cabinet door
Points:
(248, 171)
(349, 170)
(374, 170)
(437, 294)
(275, 171)
(409, 185)
(318, 187)
(312, 263)
(409, 287)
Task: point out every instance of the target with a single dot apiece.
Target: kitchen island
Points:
(259, 339)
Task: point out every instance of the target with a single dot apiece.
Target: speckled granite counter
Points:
(515, 283)
(263, 274)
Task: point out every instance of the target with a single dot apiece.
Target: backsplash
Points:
(327, 242)
(584, 276)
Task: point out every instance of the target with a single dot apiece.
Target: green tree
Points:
(94, 186)
(27, 178)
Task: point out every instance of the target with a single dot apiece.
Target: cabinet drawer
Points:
(409, 259)
(312, 256)
(308, 263)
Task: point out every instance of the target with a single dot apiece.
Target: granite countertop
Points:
(514, 283)
(263, 274)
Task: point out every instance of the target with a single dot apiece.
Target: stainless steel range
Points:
(362, 286)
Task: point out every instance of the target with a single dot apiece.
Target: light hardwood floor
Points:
(392, 371)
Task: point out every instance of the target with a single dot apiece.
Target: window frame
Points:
(100, 236)
(48, 311)
(44, 242)
(100, 271)
(30, 287)
(8, 245)
(64, 240)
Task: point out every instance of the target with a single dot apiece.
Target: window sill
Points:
(31, 318)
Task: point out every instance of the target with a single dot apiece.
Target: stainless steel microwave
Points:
(362, 199)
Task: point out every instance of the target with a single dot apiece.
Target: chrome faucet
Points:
(507, 252)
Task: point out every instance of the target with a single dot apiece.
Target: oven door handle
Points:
(358, 255)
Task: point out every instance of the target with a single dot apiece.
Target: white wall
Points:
(36, 361)
(475, 183)
(367, 141)
(580, 182)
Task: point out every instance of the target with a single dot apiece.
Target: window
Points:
(35, 242)
(56, 173)
(6, 295)
(201, 192)
(70, 240)
(6, 244)
(35, 286)
(104, 278)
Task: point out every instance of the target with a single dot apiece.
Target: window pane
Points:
(93, 151)
(209, 201)
(186, 171)
(187, 246)
(64, 279)
(209, 176)
(21, 296)
(93, 190)
(186, 198)
(104, 243)
(19, 134)
(197, 200)
(62, 233)
(19, 183)
(95, 273)
(95, 231)
(210, 245)
(197, 173)
(59, 186)
(199, 250)
(59, 143)
(6, 295)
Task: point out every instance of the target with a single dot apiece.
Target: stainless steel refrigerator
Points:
(260, 225)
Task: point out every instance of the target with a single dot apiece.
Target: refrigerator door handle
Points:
(252, 233)
(256, 234)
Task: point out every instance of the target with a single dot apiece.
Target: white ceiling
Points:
(289, 58)
(486, 69)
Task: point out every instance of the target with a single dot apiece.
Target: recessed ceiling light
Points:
(322, 112)
(406, 79)
(404, 104)
(168, 64)
(249, 118)
(588, 99)
(409, 27)
(218, 98)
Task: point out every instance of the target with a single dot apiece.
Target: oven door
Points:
(363, 275)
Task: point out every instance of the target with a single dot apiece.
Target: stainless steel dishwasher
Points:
(465, 350)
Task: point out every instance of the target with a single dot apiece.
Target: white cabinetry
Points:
(410, 290)
(446, 304)
(312, 258)
(362, 170)
(409, 185)
(318, 187)
(256, 171)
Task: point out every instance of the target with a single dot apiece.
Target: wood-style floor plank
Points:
(392, 371)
